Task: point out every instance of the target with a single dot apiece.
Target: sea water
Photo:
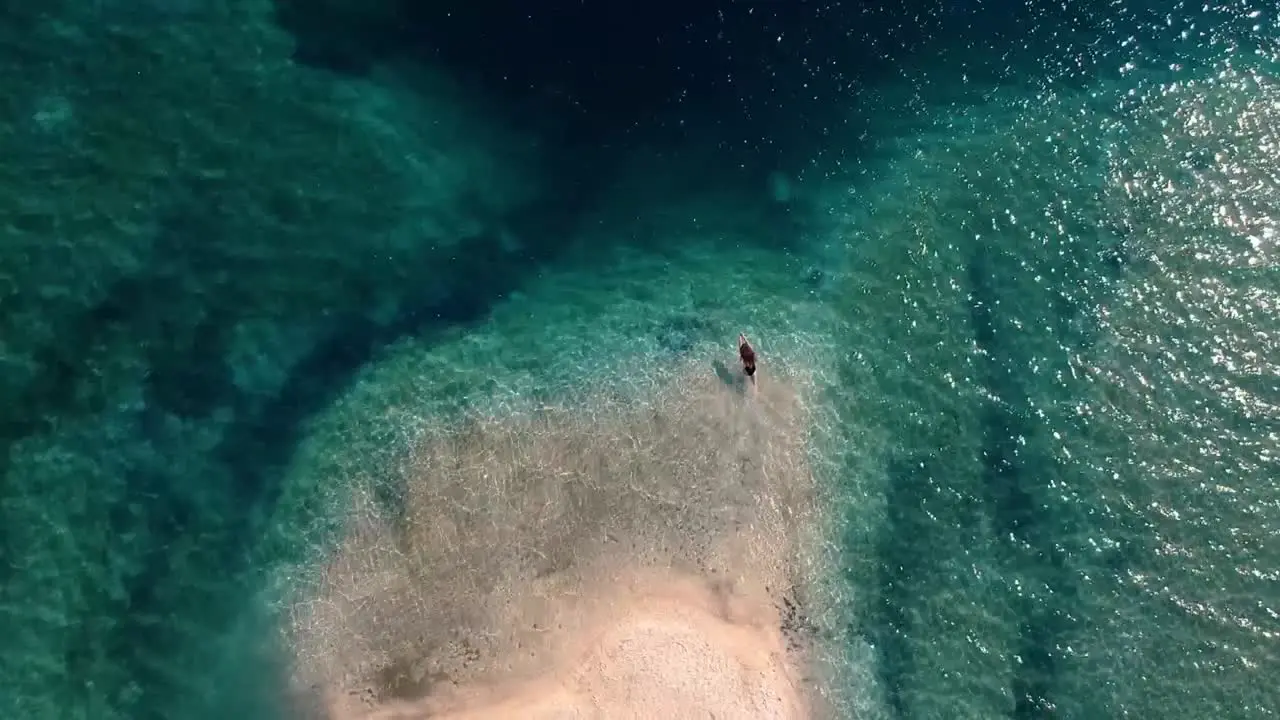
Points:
(1065, 323)
(1041, 301)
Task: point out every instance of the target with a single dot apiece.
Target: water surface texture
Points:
(1030, 256)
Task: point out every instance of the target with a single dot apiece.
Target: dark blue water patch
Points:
(754, 69)
(893, 631)
(1014, 505)
(1032, 685)
(188, 374)
(601, 66)
(58, 391)
(817, 279)
(1037, 527)
(982, 300)
(1010, 491)
(53, 395)
(917, 552)
(1004, 427)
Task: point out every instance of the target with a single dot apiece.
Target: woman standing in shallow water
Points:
(748, 355)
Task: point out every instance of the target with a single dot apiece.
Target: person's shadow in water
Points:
(730, 378)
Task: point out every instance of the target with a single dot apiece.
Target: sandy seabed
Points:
(656, 647)
(631, 561)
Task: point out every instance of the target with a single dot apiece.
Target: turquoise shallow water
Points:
(1067, 363)
(1091, 520)
(1044, 315)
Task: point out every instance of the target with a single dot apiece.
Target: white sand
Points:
(657, 646)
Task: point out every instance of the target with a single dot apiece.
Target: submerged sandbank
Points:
(625, 557)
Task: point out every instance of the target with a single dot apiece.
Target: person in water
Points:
(748, 355)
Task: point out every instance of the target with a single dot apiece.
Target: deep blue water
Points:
(1038, 241)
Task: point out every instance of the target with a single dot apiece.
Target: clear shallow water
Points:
(1047, 321)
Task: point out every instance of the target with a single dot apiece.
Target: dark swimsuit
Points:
(748, 359)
